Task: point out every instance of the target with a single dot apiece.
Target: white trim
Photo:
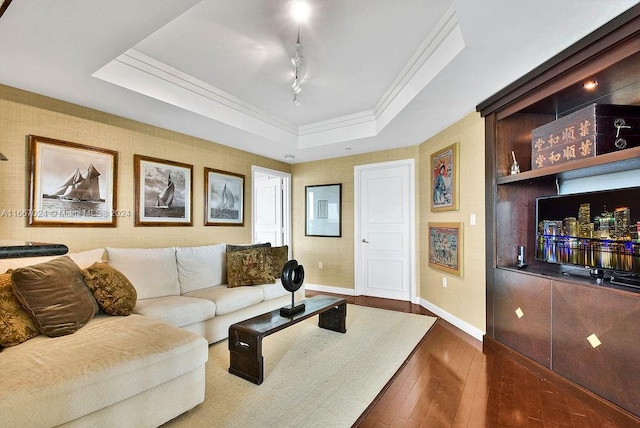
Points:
(286, 201)
(457, 322)
(141, 73)
(412, 222)
(330, 289)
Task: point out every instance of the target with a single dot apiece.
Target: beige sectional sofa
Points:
(138, 370)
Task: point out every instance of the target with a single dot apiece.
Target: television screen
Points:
(594, 230)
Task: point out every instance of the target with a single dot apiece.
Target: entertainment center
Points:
(566, 322)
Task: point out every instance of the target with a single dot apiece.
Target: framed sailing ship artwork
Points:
(323, 210)
(224, 194)
(445, 247)
(444, 179)
(163, 192)
(71, 184)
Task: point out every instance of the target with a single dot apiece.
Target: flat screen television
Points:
(594, 230)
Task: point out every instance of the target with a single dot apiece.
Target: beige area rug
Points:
(312, 377)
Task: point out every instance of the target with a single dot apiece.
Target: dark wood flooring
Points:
(449, 382)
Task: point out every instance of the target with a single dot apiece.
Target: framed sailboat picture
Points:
(71, 184)
(224, 194)
(163, 192)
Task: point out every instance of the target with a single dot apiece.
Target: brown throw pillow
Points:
(249, 267)
(15, 324)
(55, 295)
(112, 290)
(234, 247)
(279, 256)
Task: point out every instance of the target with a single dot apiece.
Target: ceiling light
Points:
(300, 11)
(289, 157)
(297, 60)
(590, 84)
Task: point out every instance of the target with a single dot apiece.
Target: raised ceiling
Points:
(380, 74)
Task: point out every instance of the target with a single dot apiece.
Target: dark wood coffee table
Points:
(245, 337)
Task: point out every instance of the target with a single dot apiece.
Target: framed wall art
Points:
(323, 210)
(445, 247)
(224, 198)
(163, 192)
(444, 179)
(71, 184)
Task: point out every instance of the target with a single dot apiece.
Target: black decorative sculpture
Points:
(292, 279)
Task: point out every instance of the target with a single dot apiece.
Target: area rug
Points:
(312, 377)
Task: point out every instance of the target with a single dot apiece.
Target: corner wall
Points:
(336, 254)
(24, 113)
(463, 301)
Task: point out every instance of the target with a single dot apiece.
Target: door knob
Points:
(365, 241)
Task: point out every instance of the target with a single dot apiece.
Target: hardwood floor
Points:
(449, 382)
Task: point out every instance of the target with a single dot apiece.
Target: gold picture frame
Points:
(445, 247)
(224, 198)
(163, 192)
(443, 170)
(71, 184)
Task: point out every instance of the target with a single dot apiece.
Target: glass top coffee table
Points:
(245, 337)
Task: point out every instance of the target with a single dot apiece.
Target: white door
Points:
(270, 207)
(385, 203)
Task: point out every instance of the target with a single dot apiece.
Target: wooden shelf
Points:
(623, 160)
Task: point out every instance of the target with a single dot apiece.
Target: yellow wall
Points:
(464, 296)
(24, 113)
(336, 254)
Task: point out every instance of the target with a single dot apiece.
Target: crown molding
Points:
(140, 73)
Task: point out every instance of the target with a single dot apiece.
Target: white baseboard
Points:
(329, 289)
(462, 325)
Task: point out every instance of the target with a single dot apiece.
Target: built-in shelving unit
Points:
(545, 315)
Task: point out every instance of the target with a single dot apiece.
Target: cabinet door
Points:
(596, 341)
(522, 313)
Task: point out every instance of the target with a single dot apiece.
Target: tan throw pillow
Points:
(55, 295)
(15, 324)
(279, 256)
(112, 290)
(249, 267)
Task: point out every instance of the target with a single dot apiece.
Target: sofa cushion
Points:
(16, 326)
(229, 300)
(152, 271)
(200, 267)
(272, 291)
(55, 295)
(178, 311)
(279, 257)
(249, 267)
(112, 290)
(51, 381)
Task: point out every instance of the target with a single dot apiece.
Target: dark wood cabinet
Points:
(596, 341)
(523, 314)
(560, 313)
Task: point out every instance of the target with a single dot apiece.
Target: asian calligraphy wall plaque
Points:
(585, 133)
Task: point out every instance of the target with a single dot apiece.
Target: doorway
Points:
(271, 206)
(385, 230)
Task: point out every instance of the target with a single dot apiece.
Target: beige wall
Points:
(464, 296)
(24, 113)
(336, 254)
